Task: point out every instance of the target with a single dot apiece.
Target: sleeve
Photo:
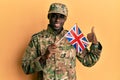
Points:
(31, 57)
(90, 57)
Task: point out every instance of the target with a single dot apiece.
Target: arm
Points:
(90, 57)
(30, 60)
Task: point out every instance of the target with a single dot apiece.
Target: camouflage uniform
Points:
(61, 65)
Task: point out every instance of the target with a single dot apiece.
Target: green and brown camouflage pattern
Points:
(58, 8)
(60, 66)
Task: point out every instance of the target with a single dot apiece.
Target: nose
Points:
(57, 18)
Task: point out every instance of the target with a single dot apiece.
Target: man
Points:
(57, 62)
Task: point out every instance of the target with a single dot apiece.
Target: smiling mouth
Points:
(57, 25)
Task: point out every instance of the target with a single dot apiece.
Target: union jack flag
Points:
(77, 39)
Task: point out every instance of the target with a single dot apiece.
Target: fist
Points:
(51, 50)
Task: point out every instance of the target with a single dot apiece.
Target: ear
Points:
(65, 18)
(48, 16)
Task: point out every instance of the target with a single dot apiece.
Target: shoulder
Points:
(36, 37)
(39, 34)
(65, 31)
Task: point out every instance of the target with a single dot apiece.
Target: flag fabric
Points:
(76, 38)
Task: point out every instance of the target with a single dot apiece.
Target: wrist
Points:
(45, 56)
(95, 43)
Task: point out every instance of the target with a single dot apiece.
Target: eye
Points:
(62, 16)
(53, 15)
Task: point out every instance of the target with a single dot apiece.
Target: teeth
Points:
(57, 25)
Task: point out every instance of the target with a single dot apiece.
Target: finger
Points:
(54, 46)
(92, 29)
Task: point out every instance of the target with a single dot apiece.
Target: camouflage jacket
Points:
(60, 66)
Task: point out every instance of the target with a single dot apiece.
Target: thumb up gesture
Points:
(92, 37)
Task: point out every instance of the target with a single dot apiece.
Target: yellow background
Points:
(20, 19)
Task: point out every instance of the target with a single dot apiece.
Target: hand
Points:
(92, 37)
(52, 49)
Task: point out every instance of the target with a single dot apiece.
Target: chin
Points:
(57, 28)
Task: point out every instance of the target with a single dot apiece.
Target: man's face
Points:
(57, 21)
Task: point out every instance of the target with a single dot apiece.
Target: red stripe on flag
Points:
(77, 39)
